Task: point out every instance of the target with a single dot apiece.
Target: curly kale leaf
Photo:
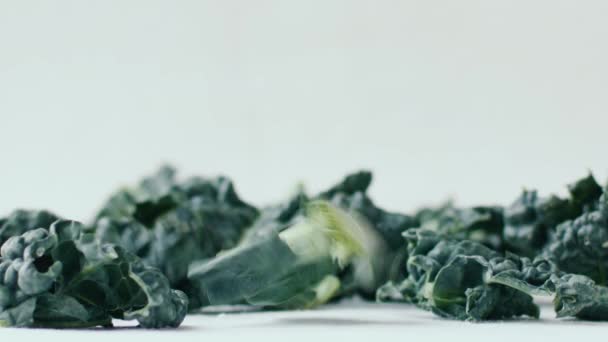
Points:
(579, 296)
(20, 221)
(524, 227)
(531, 219)
(580, 246)
(481, 224)
(62, 278)
(465, 280)
(574, 295)
(170, 224)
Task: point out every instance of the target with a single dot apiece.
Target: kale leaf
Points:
(530, 220)
(20, 221)
(170, 224)
(466, 280)
(61, 277)
(481, 224)
(383, 240)
(297, 267)
(579, 296)
(580, 246)
(574, 295)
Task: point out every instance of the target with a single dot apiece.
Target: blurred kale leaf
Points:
(285, 262)
(580, 246)
(170, 224)
(20, 221)
(531, 220)
(483, 224)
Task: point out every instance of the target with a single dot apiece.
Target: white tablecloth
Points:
(344, 322)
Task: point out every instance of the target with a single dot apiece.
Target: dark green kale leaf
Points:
(20, 221)
(170, 224)
(367, 272)
(465, 280)
(579, 296)
(481, 224)
(297, 267)
(62, 278)
(574, 295)
(580, 246)
(531, 219)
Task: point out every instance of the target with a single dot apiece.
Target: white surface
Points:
(469, 98)
(344, 322)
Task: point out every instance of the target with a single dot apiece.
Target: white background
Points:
(473, 99)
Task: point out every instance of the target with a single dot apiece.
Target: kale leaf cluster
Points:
(485, 263)
(164, 247)
(170, 224)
